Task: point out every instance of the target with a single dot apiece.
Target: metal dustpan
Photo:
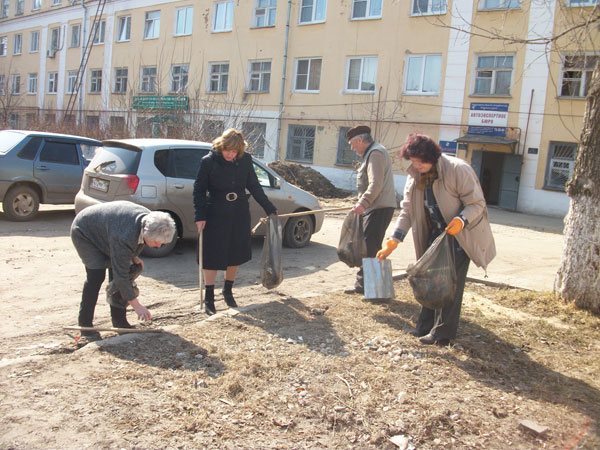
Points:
(378, 278)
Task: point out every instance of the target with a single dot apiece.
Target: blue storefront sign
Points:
(489, 119)
(449, 147)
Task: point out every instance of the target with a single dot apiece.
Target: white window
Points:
(15, 84)
(366, 9)
(54, 39)
(264, 13)
(493, 75)
(148, 80)
(95, 81)
(259, 79)
(18, 44)
(428, 7)
(36, 4)
(576, 74)
(19, 7)
(218, 77)
(34, 41)
(559, 168)
(183, 21)
(152, 25)
(121, 80)
(2, 84)
(361, 74)
(52, 82)
(582, 2)
(98, 30)
(71, 80)
(4, 7)
(55, 2)
(308, 75)
(75, 38)
(423, 74)
(223, 16)
(3, 45)
(300, 143)
(179, 77)
(312, 11)
(124, 29)
(499, 4)
(32, 83)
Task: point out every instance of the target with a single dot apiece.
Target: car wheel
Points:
(298, 231)
(161, 251)
(21, 203)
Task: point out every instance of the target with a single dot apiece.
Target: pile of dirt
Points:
(308, 179)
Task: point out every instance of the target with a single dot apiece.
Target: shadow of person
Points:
(164, 350)
(290, 319)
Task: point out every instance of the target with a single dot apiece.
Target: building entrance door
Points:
(499, 175)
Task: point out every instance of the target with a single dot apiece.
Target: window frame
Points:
(553, 146)
(314, 11)
(34, 38)
(368, 10)
(32, 81)
(304, 139)
(95, 86)
(151, 25)
(586, 75)
(99, 32)
(494, 78)
(54, 39)
(15, 84)
(19, 7)
(4, 9)
(75, 38)
(308, 75)
(420, 91)
(344, 149)
(582, 3)
(178, 82)
(2, 84)
(123, 24)
(227, 16)
(270, 11)
(120, 84)
(52, 82)
(70, 81)
(3, 45)
(187, 21)
(506, 5)
(151, 79)
(362, 59)
(430, 11)
(55, 2)
(256, 138)
(261, 76)
(36, 5)
(17, 44)
(219, 77)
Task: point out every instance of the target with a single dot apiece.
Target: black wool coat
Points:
(226, 237)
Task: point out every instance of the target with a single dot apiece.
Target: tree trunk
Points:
(578, 278)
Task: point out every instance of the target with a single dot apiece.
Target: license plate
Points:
(99, 185)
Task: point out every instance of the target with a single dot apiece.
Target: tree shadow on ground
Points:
(493, 361)
(163, 350)
(291, 319)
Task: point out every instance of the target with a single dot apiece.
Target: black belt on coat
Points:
(228, 196)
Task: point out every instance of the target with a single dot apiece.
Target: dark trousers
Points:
(443, 323)
(375, 224)
(89, 296)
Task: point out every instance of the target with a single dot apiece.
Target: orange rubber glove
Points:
(455, 226)
(389, 247)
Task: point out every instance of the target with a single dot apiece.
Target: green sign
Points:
(150, 102)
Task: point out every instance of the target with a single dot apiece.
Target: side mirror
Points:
(276, 183)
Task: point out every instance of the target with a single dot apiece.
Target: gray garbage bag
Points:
(352, 246)
(378, 280)
(433, 276)
(113, 296)
(271, 271)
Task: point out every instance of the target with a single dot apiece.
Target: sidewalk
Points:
(528, 251)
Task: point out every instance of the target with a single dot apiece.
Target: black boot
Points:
(228, 294)
(209, 300)
(119, 317)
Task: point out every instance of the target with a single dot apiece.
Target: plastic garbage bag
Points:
(113, 296)
(352, 246)
(433, 276)
(271, 272)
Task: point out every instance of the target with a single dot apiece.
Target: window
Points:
(264, 13)
(308, 75)
(55, 2)
(34, 41)
(211, 129)
(183, 21)
(98, 30)
(366, 9)
(71, 80)
(36, 4)
(179, 77)
(301, 143)
(15, 84)
(148, 80)
(559, 168)
(32, 83)
(219, 76)
(493, 75)
(362, 74)
(95, 81)
(260, 76)
(13, 121)
(312, 11)
(117, 126)
(19, 7)
(423, 74)
(54, 39)
(500, 4)
(52, 82)
(427, 7)
(576, 75)
(18, 44)
(121, 80)
(2, 84)
(3, 45)
(124, 29)
(223, 17)
(60, 153)
(152, 25)
(345, 156)
(75, 39)
(582, 2)
(4, 7)
(254, 134)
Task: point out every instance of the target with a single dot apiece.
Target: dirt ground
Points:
(302, 366)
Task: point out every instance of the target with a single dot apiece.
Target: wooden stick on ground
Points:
(116, 330)
(301, 213)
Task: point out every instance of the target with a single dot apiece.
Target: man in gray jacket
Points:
(112, 235)
(377, 195)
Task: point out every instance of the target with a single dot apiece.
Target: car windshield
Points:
(8, 139)
(116, 161)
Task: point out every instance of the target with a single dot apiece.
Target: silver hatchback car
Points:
(160, 173)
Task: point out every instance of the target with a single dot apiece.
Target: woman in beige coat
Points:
(442, 193)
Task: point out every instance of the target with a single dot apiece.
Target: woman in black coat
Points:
(222, 211)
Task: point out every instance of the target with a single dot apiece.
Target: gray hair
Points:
(366, 137)
(159, 226)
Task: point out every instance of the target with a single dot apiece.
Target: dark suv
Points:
(38, 167)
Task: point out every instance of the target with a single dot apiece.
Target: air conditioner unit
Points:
(51, 53)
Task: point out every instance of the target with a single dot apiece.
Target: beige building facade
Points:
(295, 75)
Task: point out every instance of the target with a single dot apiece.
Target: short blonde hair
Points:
(231, 139)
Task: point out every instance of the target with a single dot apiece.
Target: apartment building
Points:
(295, 75)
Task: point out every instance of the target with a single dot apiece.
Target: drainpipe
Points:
(81, 40)
(528, 116)
(285, 51)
